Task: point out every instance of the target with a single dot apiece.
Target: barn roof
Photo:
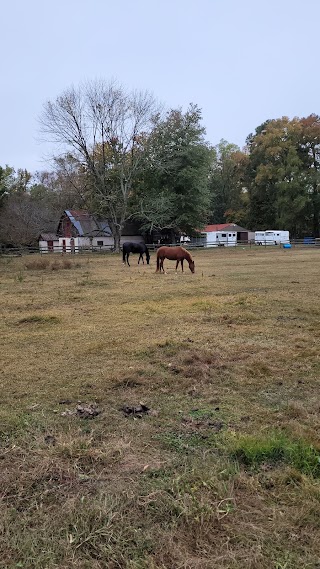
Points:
(223, 226)
(86, 224)
(215, 227)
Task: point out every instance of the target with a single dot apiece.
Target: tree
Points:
(23, 219)
(173, 190)
(30, 205)
(65, 187)
(309, 153)
(101, 126)
(229, 196)
(6, 175)
(283, 179)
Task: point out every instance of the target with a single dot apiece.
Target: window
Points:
(99, 243)
(223, 235)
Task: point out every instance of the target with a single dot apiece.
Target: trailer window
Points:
(100, 243)
(223, 235)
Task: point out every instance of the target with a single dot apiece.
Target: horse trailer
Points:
(271, 237)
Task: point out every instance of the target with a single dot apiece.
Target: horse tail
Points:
(158, 261)
(147, 252)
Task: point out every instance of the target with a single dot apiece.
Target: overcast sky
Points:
(241, 61)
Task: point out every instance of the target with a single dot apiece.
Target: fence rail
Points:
(107, 249)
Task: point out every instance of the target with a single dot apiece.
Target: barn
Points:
(223, 234)
(79, 229)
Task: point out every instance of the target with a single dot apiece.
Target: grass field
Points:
(224, 469)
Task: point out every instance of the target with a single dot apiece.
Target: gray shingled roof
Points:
(48, 237)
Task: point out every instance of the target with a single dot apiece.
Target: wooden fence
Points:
(19, 251)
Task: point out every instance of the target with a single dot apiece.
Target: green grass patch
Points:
(275, 448)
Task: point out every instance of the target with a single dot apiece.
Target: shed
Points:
(48, 242)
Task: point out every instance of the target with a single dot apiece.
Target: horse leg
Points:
(161, 266)
(164, 272)
(128, 259)
(177, 264)
(182, 265)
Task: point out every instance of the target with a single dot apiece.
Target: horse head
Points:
(191, 266)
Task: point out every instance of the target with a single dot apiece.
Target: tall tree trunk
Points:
(315, 221)
(116, 232)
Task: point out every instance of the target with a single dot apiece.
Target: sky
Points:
(240, 61)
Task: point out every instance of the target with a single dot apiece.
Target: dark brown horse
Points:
(173, 254)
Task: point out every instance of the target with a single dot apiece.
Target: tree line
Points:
(121, 156)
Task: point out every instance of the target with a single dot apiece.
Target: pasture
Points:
(223, 470)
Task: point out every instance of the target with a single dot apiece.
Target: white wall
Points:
(43, 246)
(107, 241)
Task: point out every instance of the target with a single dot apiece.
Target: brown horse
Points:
(173, 254)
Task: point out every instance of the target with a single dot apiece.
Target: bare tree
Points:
(104, 128)
(22, 219)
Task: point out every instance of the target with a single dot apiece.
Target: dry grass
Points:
(43, 263)
(222, 472)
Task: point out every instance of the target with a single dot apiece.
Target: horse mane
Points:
(187, 254)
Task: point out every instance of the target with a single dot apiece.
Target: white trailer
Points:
(220, 238)
(271, 237)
